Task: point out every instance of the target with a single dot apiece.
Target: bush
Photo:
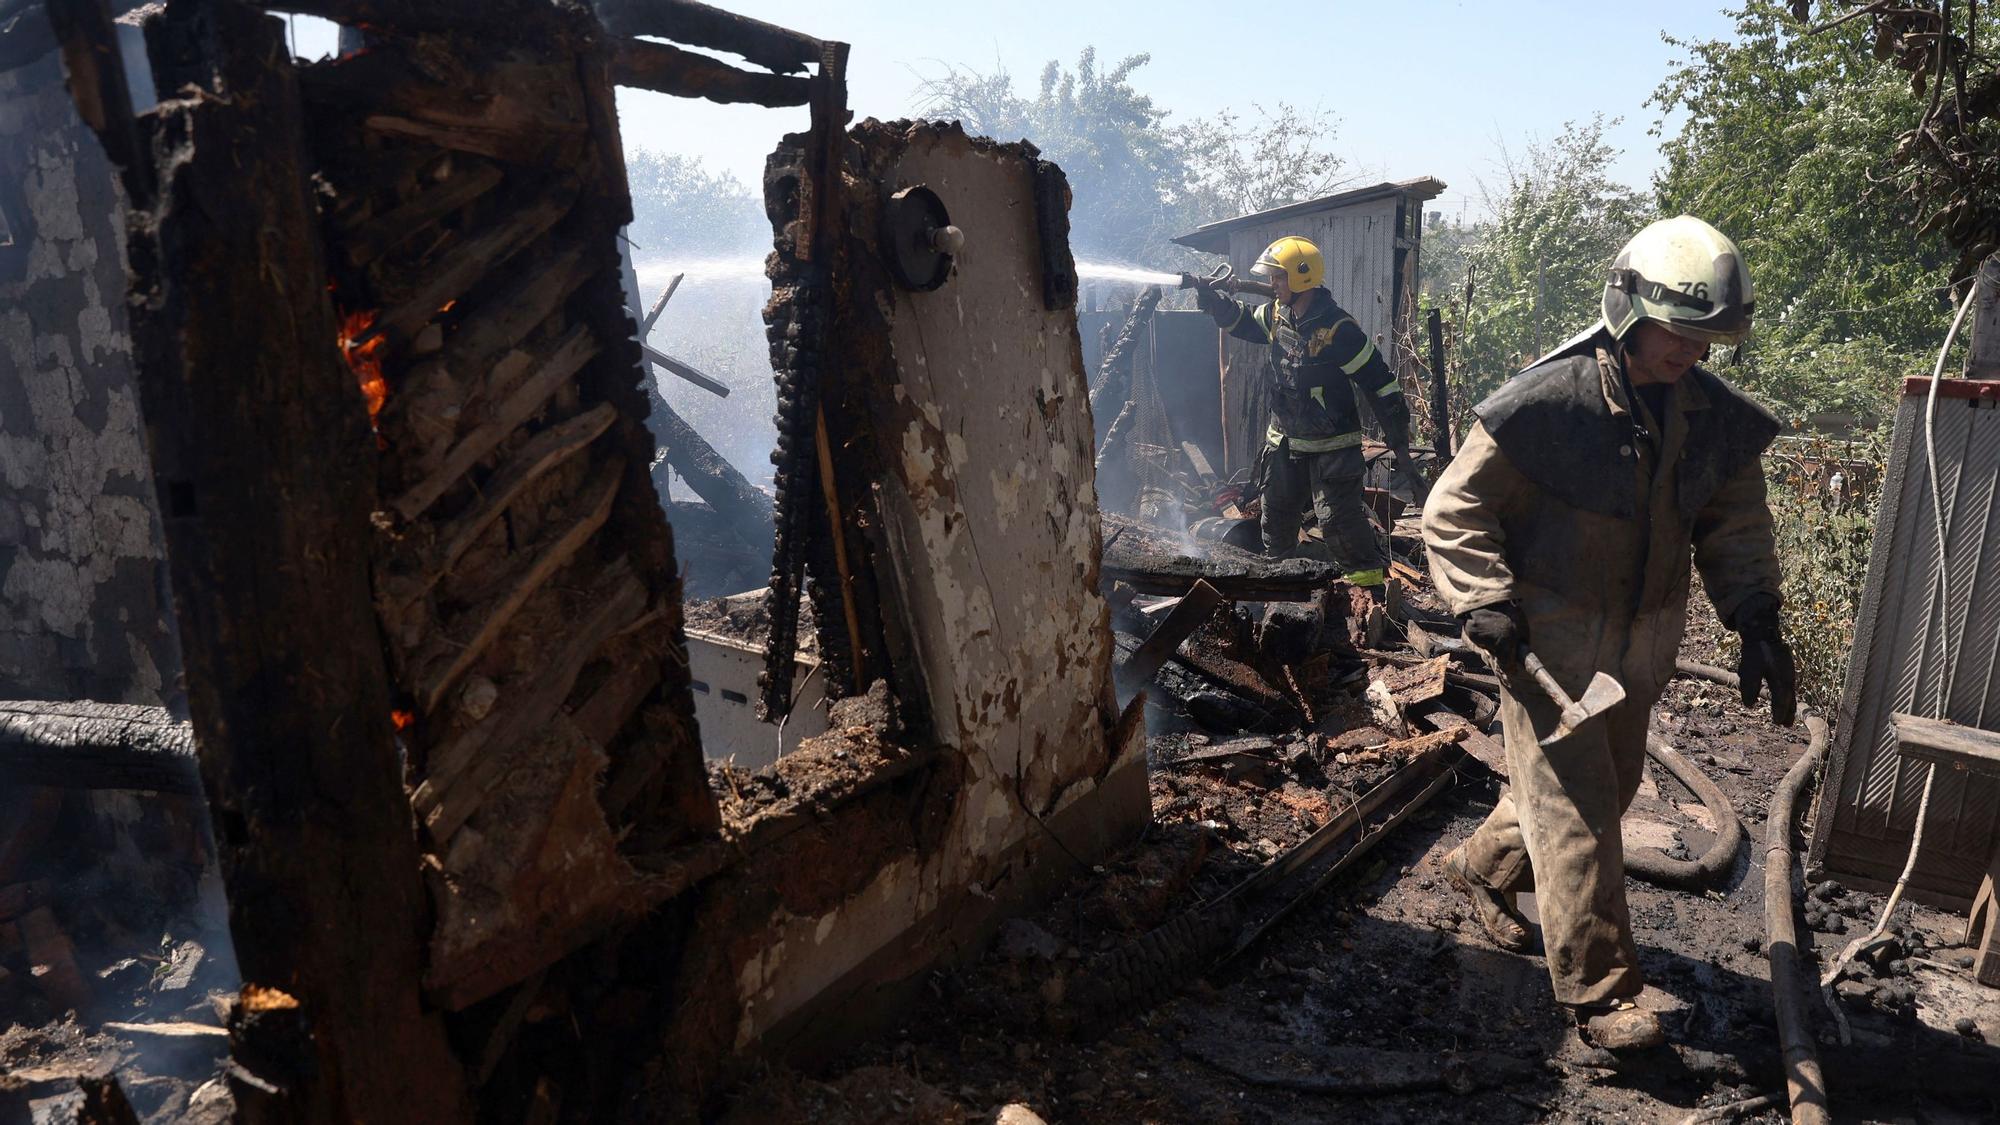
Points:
(1823, 548)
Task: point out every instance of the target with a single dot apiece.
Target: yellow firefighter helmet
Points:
(1295, 259)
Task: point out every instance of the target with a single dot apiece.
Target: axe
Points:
(1602, 695)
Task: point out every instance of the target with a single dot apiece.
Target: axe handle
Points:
(1548, 683)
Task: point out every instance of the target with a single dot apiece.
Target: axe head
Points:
(1602, 695)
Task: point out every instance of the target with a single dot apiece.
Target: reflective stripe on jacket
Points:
(1323, 360)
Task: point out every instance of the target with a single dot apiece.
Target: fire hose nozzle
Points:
(1224, 280)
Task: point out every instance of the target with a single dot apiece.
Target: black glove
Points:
(1766, 659)
(1217, 304)
(1500, 631)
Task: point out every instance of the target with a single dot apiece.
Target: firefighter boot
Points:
(1495, 909)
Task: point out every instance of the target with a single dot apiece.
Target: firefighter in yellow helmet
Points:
(1566, 526)
(1323, 359)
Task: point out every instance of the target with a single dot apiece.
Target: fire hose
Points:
(1657, 867)
(1804, 1080)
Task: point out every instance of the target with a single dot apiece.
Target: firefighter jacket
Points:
(1570, 499)
(1322, 359)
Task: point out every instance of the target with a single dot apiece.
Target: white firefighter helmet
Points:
(1684, 275)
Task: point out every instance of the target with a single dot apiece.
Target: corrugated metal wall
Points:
(1868, 805)
(1359, 242)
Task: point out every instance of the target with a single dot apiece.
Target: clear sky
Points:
(1420, 87)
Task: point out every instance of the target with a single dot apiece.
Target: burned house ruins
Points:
(345, 600)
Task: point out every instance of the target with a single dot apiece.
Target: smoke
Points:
(715, 322)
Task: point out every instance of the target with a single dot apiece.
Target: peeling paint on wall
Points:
(82, 603)
(988, 565)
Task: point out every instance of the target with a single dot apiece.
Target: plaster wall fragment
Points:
(82, 604)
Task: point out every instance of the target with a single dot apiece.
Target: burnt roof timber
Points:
(479, 17)
(685, 74)
(700, 25)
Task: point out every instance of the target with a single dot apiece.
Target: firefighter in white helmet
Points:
(1323, 361)
(1566, 525)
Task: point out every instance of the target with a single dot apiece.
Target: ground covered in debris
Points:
(1378, 998)
(114, 958)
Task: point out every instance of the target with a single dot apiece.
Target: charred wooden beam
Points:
(96, 746)
(685, 370)
(685, 74)
(1166, 638)
(1150, 562)
(528, 113)
(472, 16)
(745, 508)
(659, 306)
(1113, 388)
(287, 689)
(699, 25)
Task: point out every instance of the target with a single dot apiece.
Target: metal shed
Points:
(1923, 648)
(1370, 237)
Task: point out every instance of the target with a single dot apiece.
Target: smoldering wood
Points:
(1180, 622)
(97, 746)
(462, 266)
(685, 74)
(698, 25)
(463, 769)
(553, 367)
(502, 320)
(384, 232)
(274, 462)
(587, 513)
(1152, 563)
(543, 452)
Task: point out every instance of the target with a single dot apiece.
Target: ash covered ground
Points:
(1380, 999)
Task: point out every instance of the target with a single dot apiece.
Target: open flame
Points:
(402, 719)
(363, 353)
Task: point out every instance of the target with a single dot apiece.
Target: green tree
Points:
(1787, 144)
(682, 211)
(1539, 259)
(1137, 180)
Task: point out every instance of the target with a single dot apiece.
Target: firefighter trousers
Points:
(1330, 484)
(1556, 832)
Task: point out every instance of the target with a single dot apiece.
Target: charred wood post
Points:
(1441, 436)
(811, 540)
(1114, 375)
(265, 497)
